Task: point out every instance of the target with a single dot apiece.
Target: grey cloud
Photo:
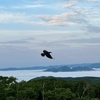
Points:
(85, 40)
(71, 42)
(80, 17)
(93, 29)
(15, 42)
(24, 41)
(78, 20)
(44, 18)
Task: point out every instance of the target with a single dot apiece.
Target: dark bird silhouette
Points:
(47, 54)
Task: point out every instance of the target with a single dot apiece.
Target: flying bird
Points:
(47, 54)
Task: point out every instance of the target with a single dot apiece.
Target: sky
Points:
(70, 29)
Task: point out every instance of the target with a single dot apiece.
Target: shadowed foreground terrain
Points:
(50, 88)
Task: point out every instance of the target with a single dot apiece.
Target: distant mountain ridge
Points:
(66, 68)
(58, 68)
(23, 68)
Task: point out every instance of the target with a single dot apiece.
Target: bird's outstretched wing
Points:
(45, 51)
(49, 56)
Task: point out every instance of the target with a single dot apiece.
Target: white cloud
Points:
(8, 17)
(39, 1)
(58, 20)
(71, 4)
(81, 0)
(94, 0)
(28, 6)
(11, 17)
(64, 19)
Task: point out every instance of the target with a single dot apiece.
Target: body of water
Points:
(29, 74)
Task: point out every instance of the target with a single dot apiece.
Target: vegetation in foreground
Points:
(49, 89)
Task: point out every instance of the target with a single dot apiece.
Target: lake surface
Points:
(29, 74)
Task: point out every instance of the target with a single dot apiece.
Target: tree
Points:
(97, 90)
(61, 94)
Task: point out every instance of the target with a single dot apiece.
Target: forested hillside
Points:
(49, 88)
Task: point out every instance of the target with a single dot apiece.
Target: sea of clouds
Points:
(30, 74)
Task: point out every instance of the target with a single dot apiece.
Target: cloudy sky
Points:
(68, 28)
